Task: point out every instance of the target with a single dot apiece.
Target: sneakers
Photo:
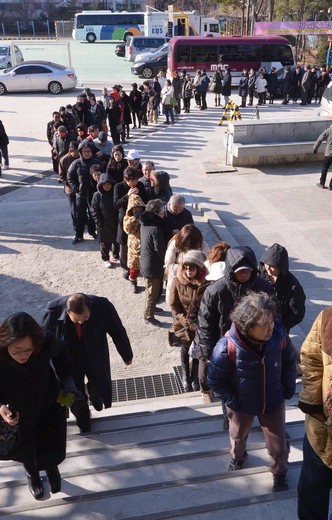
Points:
(115, 260)
(107, 264)
(319, 185)
(77, 240)
(5, 167)
(133, 286)
(235, 465)
(280, 482)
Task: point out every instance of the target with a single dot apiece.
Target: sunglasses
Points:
(189, 268)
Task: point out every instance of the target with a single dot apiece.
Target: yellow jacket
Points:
(316, 393)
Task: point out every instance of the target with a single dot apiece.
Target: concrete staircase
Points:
(156, 459)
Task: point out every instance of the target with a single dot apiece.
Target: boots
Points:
(54, 479)
(35, 484)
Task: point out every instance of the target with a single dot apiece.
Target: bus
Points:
(238, 52)
(105, 25)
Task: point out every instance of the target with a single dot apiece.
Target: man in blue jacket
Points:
(252, 369)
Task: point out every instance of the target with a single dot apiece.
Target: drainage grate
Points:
(146, 387)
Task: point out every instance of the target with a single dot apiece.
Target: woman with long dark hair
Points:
(33, 368)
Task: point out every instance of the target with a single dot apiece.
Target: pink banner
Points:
(276, 28)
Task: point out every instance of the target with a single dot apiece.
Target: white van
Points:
(136, 44)
(6, 55)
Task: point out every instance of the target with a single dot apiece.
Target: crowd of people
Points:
(231, 315)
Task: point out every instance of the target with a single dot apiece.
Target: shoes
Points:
(115, 260)
(35, 485)
(151, 321)
(54, 478)
(235, 465)
(280, 482)
(107, 263)
(5, 167)
(330, 188)
(158, 310)
(94, 236)
(133, 286)
(77, 240)
(319, 185)
(166, 123)
(97, 403)
(80, 409)
(125, 274)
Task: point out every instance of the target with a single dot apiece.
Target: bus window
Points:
(183, 54)
(207, 54)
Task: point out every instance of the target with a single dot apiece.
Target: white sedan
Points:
(37, 75)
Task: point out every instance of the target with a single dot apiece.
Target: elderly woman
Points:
(32, 364)
(252, 369)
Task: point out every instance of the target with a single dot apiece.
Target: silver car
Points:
(37, 75)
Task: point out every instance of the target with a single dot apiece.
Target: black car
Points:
(150, 68)
(120, 49)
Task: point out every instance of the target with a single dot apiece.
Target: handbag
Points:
(8, 437)
(195, 351)
(179, 334)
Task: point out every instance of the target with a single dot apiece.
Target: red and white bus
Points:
(191, 53)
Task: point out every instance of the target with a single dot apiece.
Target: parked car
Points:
(136, 44)
(37, 75)
(120, 49)
(150, 68)
(143, 56)
(6, 55)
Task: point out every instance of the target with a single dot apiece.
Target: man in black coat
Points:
(154, 235)
(83, 322)
(80, 181)
(219, 299)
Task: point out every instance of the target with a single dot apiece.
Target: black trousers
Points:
(326, 164)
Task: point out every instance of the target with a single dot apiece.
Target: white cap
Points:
(243, 268)
(133, 154)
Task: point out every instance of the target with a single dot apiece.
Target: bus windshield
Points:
(238, 53)
(105, 25)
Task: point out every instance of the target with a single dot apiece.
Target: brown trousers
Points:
(152, 293)
(275, 435)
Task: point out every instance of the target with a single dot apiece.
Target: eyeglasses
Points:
(189, 268)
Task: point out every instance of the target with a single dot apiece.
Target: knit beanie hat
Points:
(195, 257)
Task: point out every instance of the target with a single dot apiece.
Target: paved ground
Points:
(258, 207)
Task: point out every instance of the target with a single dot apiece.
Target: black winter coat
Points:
(104, 214)
(220, 297)
(103, 320)
(121, 202)
(79, 178)
(153, 245)
(31, 389)
(243, 85)
(115, 169)
(227, 84)
(287, 288)
(180, 220)
(272, 84)
(4, 141)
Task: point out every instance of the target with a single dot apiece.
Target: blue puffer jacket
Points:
(251, 383)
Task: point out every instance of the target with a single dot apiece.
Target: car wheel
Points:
(55, 87)
(147, 73)
(3, 89)
(91, 37)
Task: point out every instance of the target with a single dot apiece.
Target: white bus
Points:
(105, 25)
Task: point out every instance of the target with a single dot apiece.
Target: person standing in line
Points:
(274, 267)
(4, 142)
(226, 85)
(34, 367)
(251, 86)
(132, 226)
(305, 85)
(325, 136)
(217, 87)
(187, 93)
(315, 401)
(196, 82)
(166, 100)
(252, 370)
(82, 322)
(286, 85)
(261, 88)
(244, 87)
(153, 248)
(203, 88)
(272, 84)
(64, 165)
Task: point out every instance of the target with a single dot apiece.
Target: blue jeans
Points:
(169, 114)
(314, 486)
